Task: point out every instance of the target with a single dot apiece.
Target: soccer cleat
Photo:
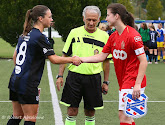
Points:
(156, 62)
(149, 62)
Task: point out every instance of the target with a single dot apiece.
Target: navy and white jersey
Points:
(32, 50)
(153, 36)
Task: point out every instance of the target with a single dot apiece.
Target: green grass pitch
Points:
(108, 116)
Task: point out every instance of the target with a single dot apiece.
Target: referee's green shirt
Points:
(83, 44)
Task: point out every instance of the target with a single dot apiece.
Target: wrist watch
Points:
(58, 76)
(106, 82)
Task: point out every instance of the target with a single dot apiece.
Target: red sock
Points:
(133, 123)
(125, 124)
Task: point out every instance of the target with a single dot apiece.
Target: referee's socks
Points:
(89, 120)
(70, 120)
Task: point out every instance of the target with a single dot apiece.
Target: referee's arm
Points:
(59, 82)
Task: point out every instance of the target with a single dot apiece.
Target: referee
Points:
(84, 80)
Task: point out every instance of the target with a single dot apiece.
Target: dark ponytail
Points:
(32, 17)
(126, 17)
(28, 23)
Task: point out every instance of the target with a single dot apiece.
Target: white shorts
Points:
(123, 93)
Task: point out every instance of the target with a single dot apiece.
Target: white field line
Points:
(56, 107)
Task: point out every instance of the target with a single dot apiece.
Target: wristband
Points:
(58, 76)
(106, 82)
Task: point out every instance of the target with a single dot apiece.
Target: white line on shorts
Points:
(56, 107)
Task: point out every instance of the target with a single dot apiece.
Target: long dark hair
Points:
(126, 17)
(32, 17)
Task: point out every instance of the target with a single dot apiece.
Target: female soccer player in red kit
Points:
(130, 62)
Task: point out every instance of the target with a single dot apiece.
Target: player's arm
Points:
(62, 60)
(95, 59)
(14, 57)
(59, 77)
(106, 68)
(141, 72)
(164, 36)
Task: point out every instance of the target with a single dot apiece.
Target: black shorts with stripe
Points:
(23, 99)
(78, 86)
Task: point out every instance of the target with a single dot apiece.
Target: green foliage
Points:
(67, 14)
(144, 3)
(154, 9)
(127, 4)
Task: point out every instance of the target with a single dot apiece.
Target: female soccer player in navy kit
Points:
(29, 59)
(130, 62)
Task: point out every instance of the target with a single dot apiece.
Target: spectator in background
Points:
(161, 42)
(144, 32)
(103, 26)
(152, 44)
(136, 28)
(110, 29)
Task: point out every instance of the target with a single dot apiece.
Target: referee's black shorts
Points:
(23, 99)
(86, 86)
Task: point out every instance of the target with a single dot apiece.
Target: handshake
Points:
(76, 60)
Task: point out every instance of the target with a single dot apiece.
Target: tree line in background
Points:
(67, 14)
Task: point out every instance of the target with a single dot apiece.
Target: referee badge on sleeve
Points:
(135, 108)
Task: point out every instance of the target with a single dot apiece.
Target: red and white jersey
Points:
(125, 48)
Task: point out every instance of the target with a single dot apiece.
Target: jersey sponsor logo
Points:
(135, 108)
(46, 50)
(137, 38)
(17, 69)
(119, 54)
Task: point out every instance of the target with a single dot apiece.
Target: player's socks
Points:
(163, 58)
(70, 120)
(13, 121)
(155, 58)
(29, 123)
(125, 124)
(158, 58)
(133, 123)
(89, 120)
(150, 57)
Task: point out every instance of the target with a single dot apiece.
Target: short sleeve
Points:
(45, 45)
(68, 44)
(163, 31)
(106, 48)
(137, 45)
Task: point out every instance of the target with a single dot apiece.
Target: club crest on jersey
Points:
(135, 108)
(96, 51)
(122, 45)
(137, 38)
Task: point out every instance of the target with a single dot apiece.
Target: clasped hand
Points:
(76, 61)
